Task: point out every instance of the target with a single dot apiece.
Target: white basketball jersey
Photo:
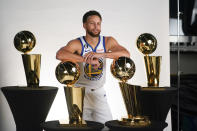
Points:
(90, 77)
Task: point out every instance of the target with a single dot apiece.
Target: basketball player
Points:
(90, 52)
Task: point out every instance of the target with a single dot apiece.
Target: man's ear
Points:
(84, 25)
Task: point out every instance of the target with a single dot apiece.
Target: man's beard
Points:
(92, 34)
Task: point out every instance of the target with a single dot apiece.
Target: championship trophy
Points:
(68, 73)
(29, 104)
(147, 44)
(123, 69)
(25, 41)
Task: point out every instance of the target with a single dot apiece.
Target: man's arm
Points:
(114, 50)
(70, 52)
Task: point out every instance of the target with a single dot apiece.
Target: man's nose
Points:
(97, 26)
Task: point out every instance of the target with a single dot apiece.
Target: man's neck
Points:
(92, 40)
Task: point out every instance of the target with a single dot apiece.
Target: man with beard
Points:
(89, 52)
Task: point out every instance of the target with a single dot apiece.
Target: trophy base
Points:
(79, 124)
(153, 88)
(29, 106)
(56, 126)
(114, 125)
(156, 103)
(138, 121)
(73, 125)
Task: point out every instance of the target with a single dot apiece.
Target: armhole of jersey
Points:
(104, 43)
(82, 48)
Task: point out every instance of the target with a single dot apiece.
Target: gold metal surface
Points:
(74, 98)
(137, 121)
(68, 73)
(146, 43)
(152, 64)
(32, 69)
(24, 41)
(123, 68)
(130, 95)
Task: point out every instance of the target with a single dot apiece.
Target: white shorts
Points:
(96, 107)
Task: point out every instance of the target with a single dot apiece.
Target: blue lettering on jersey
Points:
(93, 74)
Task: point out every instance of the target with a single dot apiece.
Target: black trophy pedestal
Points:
(154, 126)
(55, 126)
(156, 103)
(29, 106)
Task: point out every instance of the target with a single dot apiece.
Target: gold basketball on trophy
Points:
(24, 41)
(67, 72)
(146, 43)
(123, 68)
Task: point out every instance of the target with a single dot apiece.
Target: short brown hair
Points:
(90, 13)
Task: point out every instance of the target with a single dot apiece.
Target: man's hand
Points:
(93, 59)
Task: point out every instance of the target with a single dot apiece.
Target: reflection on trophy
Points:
(68, 73)
(147, 44)
(25, 41)
(123, 69)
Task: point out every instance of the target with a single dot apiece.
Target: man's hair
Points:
(90, 13)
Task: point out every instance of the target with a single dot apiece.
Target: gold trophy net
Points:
(124, 69)
(147, 44)
(25, 41)
(68, 73)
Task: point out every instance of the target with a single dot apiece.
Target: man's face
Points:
(93, 26)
